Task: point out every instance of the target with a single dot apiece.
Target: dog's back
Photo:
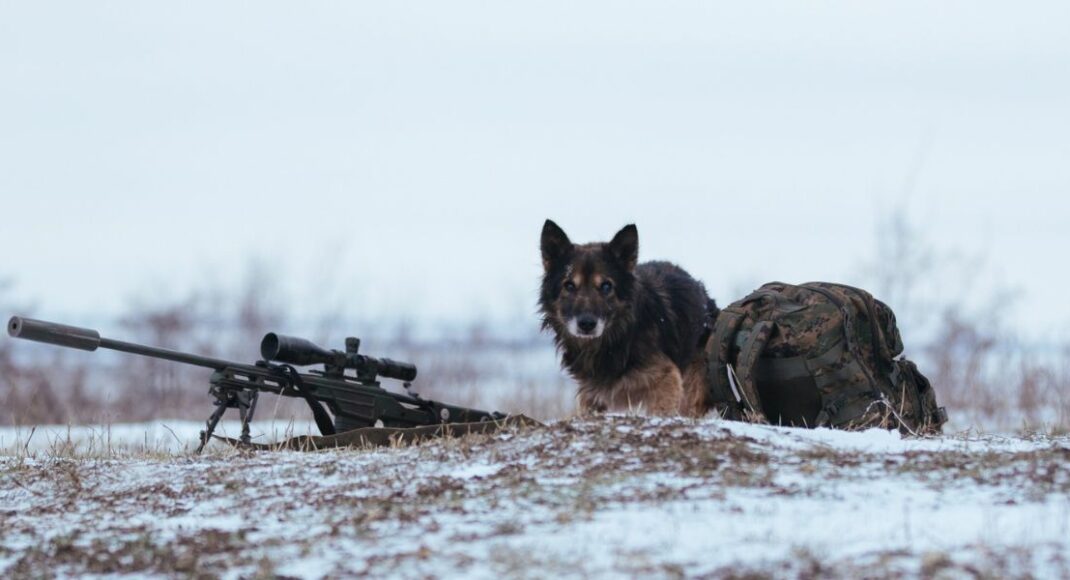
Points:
(677, 310)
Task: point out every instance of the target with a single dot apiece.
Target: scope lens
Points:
(269, 347)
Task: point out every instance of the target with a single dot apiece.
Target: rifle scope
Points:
(301, 352)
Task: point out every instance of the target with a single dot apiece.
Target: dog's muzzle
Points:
(586, 326)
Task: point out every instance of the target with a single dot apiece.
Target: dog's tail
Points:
(711, 310)
(711, 317)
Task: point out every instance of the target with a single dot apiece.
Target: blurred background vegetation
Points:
(990, 377)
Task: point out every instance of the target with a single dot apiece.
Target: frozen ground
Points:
(620, 496)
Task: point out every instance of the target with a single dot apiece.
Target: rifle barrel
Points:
(88, 339)
(166, 354)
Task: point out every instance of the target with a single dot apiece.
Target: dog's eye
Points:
(570, 286)
(606, 287)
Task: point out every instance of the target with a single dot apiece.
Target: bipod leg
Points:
(246, 408)
(210, 425)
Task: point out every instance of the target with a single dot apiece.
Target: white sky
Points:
(148, 148)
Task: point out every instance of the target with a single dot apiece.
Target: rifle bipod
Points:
(244, 401)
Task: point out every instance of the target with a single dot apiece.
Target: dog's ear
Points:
(625, 246)
(555, 244)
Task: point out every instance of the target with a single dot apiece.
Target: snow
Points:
(476, 470)
(162, 436)
(617, 496)
(883, 441)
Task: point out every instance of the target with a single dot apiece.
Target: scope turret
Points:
(302, 352)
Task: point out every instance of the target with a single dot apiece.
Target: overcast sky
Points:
(147, 148)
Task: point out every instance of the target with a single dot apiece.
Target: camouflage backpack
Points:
(816, 355)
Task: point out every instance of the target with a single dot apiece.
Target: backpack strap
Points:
(718, 351)
(848, 330)
(733, 388)
(880, 341)
(749, 354)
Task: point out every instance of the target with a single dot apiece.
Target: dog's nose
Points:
(587, 324)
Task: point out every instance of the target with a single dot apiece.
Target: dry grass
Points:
(977, 561)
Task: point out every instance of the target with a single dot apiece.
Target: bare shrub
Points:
(31, 394)
(8, 369)
(475, 370)
(982, 370)
(148, 388)
(466, 365)
(211, 321)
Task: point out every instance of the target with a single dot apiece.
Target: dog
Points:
(630, 334)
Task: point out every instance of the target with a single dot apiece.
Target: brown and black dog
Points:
(629, 333)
